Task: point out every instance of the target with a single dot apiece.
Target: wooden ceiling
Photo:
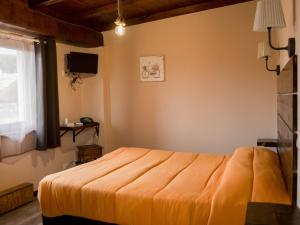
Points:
(80, 22)
(100, 15)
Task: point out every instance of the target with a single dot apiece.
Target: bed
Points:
(138, 186)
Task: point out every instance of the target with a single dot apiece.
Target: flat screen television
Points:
(82, 62)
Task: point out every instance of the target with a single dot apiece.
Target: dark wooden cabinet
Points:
(87, 153)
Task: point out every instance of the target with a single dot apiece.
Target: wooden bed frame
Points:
(266, 213)
(257, 213)
(287, 125)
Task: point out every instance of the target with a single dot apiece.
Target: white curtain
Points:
(17, 88)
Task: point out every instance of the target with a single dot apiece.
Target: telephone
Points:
(86, 120)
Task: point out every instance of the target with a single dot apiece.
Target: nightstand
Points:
(87, 153)
(267, 142)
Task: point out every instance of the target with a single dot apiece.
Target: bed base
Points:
(269, 214)
(257, 214)
(71, 220)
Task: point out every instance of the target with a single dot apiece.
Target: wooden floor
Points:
(29, 214)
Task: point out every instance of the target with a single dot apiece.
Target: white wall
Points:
(217, 95)
(86, 101)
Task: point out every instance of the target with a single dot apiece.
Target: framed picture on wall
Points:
(152, 68)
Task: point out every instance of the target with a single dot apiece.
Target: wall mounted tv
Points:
(78, 62)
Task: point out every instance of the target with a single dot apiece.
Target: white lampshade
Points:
(263, 50)
(268, 14)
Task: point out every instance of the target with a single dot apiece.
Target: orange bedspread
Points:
(135, 186)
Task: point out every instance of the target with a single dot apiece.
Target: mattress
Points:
(138, 186)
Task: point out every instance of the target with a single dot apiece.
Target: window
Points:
(17, 88)
(10, 87)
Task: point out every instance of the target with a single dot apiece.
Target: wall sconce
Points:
(265, 53)
(269, 15)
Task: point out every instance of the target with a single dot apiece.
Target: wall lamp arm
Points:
(277, 70)
(291, 47)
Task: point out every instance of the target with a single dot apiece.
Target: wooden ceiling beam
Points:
(172, 12)
(16, 15)
(56, 14)
(37, 3)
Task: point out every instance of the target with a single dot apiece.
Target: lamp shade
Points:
(268, 14)
(263, 50)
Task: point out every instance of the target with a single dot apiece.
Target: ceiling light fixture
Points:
(120, 23)
(269, 14)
